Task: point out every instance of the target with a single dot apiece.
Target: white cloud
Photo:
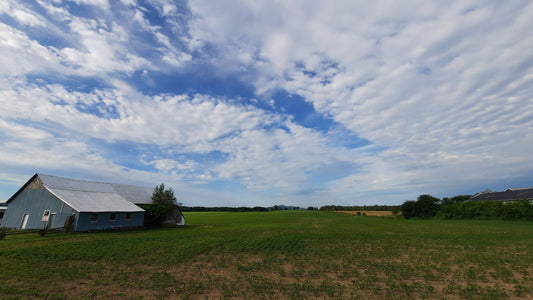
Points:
(20, 55)
(104, 4)
(128, 115)
(441, 91)
(19, 13)
(27, 18)
(29, 147)
(92, 46)
(427, 81)
(104, 49)
(259, 158)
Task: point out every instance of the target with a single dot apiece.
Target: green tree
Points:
(154, 214)
(456, 199)
(426, 206)
(408, 209)
(163, 202)
(164, 196)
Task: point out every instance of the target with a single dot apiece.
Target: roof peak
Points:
(517, 189)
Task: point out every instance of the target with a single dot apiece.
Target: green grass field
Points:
(273, 255)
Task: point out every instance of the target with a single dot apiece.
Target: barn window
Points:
(113, 217)
(94, 217)
(128, 216)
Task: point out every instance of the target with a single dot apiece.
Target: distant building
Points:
(511, 194)
(47, 201)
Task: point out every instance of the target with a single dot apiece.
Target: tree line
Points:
(223, 208)
(360, 208)
(426, 206)
(459, 207)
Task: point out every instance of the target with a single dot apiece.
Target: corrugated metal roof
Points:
(508, 195)
(87, 196)
(75, 185)
(134, 194)
(84, 201)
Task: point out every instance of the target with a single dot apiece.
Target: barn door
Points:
(51, 221)
(24, 221)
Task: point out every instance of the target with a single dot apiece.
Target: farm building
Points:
(47, 201)
(511, 194)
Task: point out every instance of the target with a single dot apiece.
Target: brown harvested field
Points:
(373, 213)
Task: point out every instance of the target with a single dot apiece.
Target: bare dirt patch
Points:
(247, 276)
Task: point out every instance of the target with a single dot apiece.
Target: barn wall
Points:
(175, 217)
(2, 211)
(84, 223)
(34, 201)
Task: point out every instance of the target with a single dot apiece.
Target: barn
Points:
(47, 201)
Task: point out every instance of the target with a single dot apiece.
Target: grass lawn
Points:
(273, 255)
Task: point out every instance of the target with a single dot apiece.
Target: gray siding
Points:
(103, 222)
(34, 202)
(63, 198)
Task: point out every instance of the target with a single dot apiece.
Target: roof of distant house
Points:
(510, 194)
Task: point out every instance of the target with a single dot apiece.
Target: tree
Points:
(164, 196)
(154, 214)
(163, 202)
(408, 209)
(425, 206)
(456, 199)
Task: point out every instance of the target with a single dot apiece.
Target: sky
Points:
(257, 103)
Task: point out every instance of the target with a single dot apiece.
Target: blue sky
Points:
(236, 103)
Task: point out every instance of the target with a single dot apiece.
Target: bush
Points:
(154, 214)
(521, 209)
(408, 209)
(470, 210)
(426, 206)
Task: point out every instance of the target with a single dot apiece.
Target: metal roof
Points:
(84, 201)
(73, 184)
(87, 196)
(134, 194)
(508, 195)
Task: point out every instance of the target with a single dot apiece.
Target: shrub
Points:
(520, 209)
(426, 206)
(154, 214)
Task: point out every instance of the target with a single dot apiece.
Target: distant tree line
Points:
(242, 208)
(284, 207)
(223, 208)
(459, 207)
(360, 208)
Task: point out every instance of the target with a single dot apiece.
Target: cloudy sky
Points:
(269, 102)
